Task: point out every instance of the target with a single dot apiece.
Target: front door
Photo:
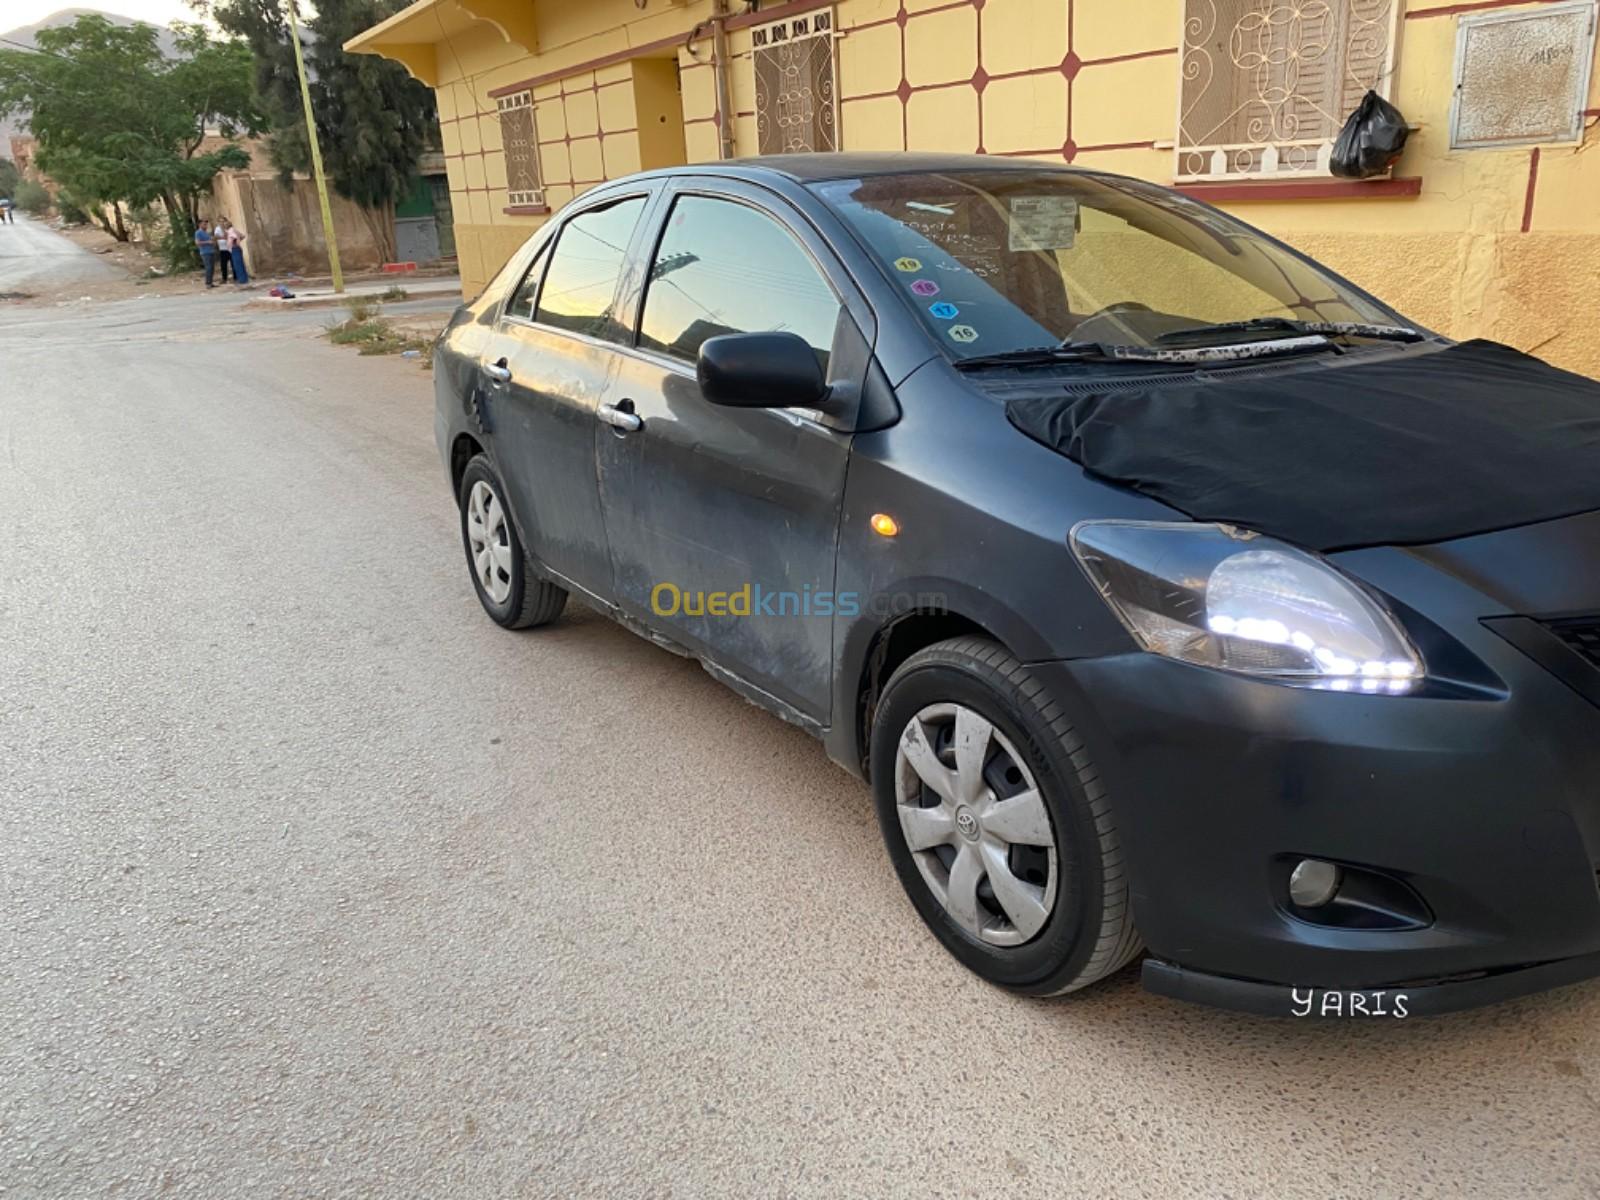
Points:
(723, 522)
(548, 366)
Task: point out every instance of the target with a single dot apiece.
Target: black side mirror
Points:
(761, 370)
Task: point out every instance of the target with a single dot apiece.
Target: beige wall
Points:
(283, 225)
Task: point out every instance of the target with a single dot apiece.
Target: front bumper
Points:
(1425, 999)
(1487, 806)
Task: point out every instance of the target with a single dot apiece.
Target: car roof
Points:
(815, 168)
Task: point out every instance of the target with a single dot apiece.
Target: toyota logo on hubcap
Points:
(967, 824)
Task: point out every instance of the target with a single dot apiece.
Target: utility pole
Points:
(316, 152)
(719, 70)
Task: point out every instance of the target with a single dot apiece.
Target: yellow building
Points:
(1489, 224)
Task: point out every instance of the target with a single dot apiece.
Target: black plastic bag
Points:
(1370, 141)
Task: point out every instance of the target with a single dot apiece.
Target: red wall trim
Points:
(793, 9)
(1118, 58)
(643, 50)
(1533, 186)
(1070, 152)
(1303, 189)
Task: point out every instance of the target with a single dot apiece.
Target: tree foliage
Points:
(9, 176)
(32, 198)
(115, 121)
(374, 122)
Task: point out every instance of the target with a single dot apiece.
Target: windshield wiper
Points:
(1103, 352)
(1036, 356)
(1392, 333)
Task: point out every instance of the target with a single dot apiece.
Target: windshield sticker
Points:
(944, 310)
(925, 287)
(931, 208)
(1043, 222)
(908, 264)
(963, 333)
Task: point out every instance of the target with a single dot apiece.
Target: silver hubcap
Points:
(489, 541)
(975, 824)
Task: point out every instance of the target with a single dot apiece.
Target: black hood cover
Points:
(1403, 450)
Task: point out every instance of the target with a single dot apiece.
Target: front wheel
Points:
(996, 822)
(507, 586)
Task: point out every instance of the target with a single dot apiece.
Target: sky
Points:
(14, 13)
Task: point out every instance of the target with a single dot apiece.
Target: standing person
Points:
(236, 251)
(5, 211)
(206, 244)
(224, 259)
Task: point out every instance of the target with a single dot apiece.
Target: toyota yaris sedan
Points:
(1173, 594)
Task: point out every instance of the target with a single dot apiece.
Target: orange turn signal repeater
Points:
(883, 523)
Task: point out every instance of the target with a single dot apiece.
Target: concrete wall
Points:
(1503, 243)
(283, 226)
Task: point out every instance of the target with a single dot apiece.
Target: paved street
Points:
(315, 883)
(31, 254)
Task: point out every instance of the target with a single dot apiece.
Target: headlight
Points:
(1221, 597)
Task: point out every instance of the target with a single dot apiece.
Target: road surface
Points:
(33, 255)
(314, 883)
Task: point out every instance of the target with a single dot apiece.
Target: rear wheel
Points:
(996, 822)
(507, 584)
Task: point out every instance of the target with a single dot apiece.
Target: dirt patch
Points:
(367, 329)
(143, 272)
(132, 257)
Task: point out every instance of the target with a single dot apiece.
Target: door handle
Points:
(498, 371)
(619, 418)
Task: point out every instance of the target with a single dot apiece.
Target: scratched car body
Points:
(757, 413)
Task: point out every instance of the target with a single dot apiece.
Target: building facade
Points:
(1489, 224)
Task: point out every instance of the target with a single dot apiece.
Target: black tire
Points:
(532, 599)
(1090, 932)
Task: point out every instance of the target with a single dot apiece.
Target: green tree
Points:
(32, 198)
(374, 122)
(116, 121)
(9, 177)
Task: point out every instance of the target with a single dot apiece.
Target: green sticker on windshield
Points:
(908, 264)
(963, 333)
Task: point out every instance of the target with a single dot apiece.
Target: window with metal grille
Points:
(796, 109)
(1266, 86)
(522, 149)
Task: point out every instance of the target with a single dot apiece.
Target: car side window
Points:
(521, 303)
(580, 284)
(725, 267)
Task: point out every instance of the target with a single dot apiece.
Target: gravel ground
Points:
(314, 883)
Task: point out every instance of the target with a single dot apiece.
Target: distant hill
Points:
(27, 35)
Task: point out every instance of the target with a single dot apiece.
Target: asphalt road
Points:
(314, 883)
(32, 254)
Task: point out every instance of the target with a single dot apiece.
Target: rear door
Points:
(552, 356)
(723, 522)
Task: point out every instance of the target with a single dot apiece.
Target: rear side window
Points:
(521, 304)
(724, 267)
(581, 282)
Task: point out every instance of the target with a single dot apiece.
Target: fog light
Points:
(1313, 883)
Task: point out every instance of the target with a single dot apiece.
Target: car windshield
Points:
(1005, 260)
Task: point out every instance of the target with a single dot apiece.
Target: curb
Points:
(414, 292)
